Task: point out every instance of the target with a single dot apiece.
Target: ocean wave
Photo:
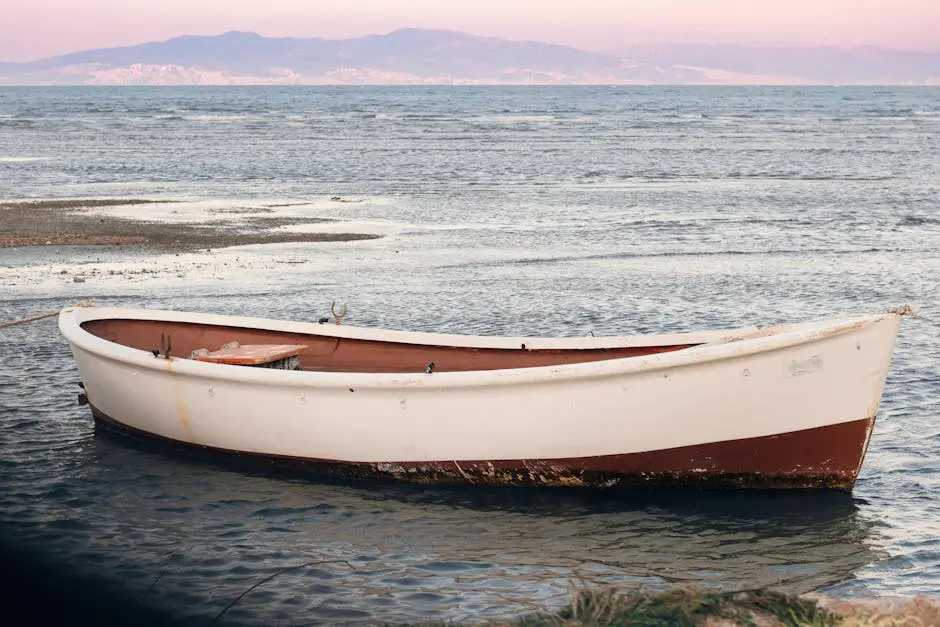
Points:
(788, 176)
(546, 260)
(219, 117)
(889, 113)
(428, 117)
(17, 123)
(22, 159)
(514, 118)
(917, 221)
(716, 220)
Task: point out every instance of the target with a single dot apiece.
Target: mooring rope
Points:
(42, 316)
(926, 319)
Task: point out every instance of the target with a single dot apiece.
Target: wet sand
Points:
(68, 222)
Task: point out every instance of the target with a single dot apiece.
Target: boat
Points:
(778, 406)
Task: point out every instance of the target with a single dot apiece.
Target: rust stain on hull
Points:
(824, 457)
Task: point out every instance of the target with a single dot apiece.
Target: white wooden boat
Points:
(779, 406)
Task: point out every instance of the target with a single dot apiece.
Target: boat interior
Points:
(300, 351)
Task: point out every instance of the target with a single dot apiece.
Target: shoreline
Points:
(26, 223)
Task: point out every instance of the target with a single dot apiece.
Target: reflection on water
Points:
(195, 530)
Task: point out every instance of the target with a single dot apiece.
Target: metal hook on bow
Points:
(338, 316)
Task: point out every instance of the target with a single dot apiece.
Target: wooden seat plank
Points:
(252, 354)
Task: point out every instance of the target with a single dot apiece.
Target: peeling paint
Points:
(805, 366)
(559, 476)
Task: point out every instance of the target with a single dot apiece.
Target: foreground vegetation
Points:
(758, 608)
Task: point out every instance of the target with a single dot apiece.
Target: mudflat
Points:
(68, 222)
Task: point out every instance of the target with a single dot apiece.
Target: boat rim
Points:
(708, 346)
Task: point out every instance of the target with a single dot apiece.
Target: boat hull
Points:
(793, 460)
(794, 409)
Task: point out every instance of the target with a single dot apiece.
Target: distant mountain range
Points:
(417, 56)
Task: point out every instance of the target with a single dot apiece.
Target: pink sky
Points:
(31, 29)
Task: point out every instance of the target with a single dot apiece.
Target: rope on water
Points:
(272, 576)
(930, 320)
(42, 316)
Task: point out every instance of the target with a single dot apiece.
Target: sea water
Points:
(530, 211)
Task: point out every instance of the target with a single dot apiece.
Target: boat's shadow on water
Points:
(794, 540)
(189, 532)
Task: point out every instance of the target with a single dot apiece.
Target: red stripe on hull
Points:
(823, 457)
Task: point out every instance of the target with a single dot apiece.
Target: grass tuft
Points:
(693, 607)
